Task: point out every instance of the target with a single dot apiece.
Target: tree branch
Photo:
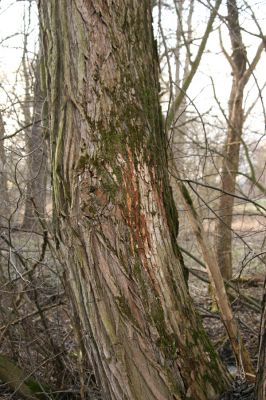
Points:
(252, 65)
(178, 100)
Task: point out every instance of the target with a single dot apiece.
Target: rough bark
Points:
(261, 374)
(114, 211)
(241, 75)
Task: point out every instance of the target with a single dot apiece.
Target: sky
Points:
(213, 62)
(12, 25)
(14, 21)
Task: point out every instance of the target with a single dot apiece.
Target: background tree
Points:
(36, 161)
(178, 110)
(32, 301)
(36, 158)
(4, 206)
(242, 70)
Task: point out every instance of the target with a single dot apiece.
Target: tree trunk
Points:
(241, 75)
(232, 147)
(261, 375)
(228, 178)
(114, 212)
(36, 162)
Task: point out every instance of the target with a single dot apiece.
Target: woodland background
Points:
(212, 86)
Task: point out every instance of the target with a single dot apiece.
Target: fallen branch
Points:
(234, 293)
(18, 381)
(242, 357)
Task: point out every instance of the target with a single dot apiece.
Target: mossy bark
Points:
(115, 217)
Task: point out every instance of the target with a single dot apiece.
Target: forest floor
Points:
(248, 278)
(29, 344)
(248, 321)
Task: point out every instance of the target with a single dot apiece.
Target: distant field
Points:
(250, 207)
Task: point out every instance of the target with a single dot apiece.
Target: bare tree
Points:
(35, 144)
(242, 70)
(36, 162)
(4, 204)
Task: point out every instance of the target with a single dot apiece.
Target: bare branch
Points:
(252, 65)
(178, 101)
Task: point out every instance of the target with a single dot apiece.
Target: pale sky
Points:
(11, 23)
(213, 62)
